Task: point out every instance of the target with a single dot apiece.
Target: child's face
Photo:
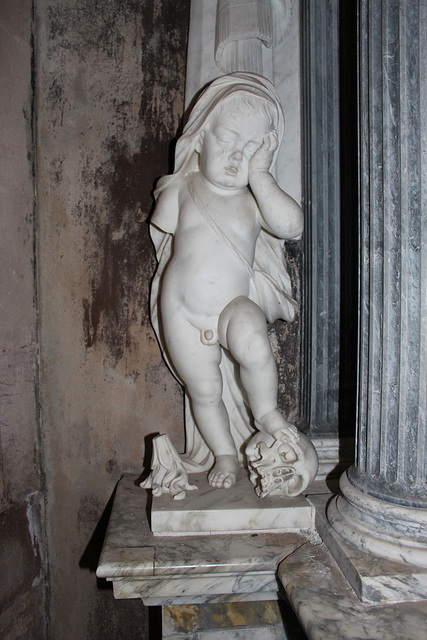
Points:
(229, 143)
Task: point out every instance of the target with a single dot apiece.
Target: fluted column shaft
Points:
(383, 506)
(392, 407)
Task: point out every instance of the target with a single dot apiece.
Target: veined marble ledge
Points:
(165, 570)
(327, 607)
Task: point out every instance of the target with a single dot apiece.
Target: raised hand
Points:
(263, 156)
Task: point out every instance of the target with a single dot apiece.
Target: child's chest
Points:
(236, 217)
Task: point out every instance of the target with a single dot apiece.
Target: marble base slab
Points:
(197, 588)
(375, 579)
(221, 598)
(233, 510)
(327, 607)
(184, 570)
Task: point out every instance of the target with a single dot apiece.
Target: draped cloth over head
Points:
(221, 89)
(270, 288)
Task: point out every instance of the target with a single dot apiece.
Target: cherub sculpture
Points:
(218, 228)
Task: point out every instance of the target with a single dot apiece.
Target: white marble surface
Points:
(255, 633)
(237, 509)
(245, 568)
(327, 606)
(218, 226)
(195, 569)
(374, 578)
(201, 67)
(281, 64)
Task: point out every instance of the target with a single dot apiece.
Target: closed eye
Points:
(224, 141)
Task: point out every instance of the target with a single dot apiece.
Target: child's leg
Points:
(197, 365)
(242, 328)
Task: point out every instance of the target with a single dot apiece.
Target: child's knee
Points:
(253, 351)
(205, 391)
(245, 329)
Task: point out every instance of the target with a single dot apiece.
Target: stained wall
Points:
(110, 82)
(22, 558)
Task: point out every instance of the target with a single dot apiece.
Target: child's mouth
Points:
(231, 171)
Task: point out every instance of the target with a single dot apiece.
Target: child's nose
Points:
(236, 155)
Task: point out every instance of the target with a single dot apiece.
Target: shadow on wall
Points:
(118, 610)
(91, 554)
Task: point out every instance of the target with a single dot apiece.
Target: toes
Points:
(228, 481)
(221, 480)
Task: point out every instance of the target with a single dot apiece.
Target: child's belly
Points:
(201, 291)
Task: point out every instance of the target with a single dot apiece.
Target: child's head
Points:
(241, 104)
(229, 94)
(231, 136)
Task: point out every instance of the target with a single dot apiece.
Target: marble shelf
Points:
(193, 571)
(166, 570)
(327, 606)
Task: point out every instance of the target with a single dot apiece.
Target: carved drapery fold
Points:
(243, 28)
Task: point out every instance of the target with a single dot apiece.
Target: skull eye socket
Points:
(283, 472)
(288, 455)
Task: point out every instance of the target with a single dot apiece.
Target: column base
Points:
(385, 529)
(380, 547)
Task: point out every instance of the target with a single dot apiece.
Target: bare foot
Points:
(275, 424)
(223, 473)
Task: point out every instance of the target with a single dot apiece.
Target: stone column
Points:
(383, 507)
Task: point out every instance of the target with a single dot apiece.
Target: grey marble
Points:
(203, 599)
(375, 579)
(223, 569)
(327, 606)
(391, 456)
(187, 569)
(237, 509)
(321, 204)
(379, 526)
(383, 502)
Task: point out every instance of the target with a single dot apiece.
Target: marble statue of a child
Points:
(210, 298)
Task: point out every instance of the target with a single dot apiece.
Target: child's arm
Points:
(280, 213)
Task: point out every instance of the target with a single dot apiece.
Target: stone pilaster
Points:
(321, 204)
(383, 507)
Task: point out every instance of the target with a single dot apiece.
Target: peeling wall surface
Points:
(22, 560)
(110, 82)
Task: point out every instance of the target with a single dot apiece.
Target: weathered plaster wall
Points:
(110, 80)
(22, 568)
